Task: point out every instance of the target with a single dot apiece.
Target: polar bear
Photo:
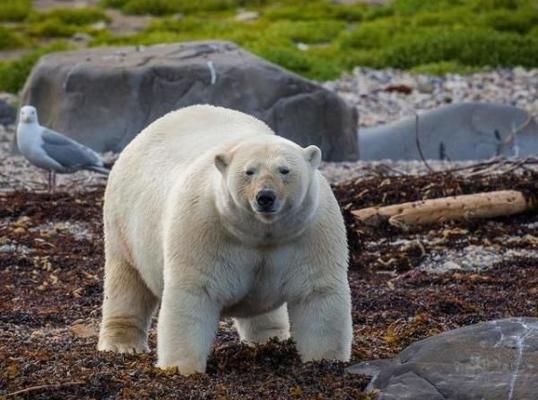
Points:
(212, 214)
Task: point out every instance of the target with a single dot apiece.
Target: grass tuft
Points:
(9, 40)
(13, 74)
(167, 7)
(64, 22)
(15, 10)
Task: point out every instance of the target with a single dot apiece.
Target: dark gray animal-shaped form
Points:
(52, 151)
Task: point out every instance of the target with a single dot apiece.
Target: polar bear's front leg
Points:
(263, 327)
(127, 309)
(321, 325)
(187, 326)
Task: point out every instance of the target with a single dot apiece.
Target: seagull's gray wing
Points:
(70, 154)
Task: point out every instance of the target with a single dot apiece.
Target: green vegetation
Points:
(64, 22)
(164, 7)
(9, 40)
(424, 35)
(445, 67)
(15, 10)
(13, 73)
(467, 47)
(315, 38)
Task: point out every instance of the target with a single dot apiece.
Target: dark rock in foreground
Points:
(465, 131)
(104, 97)
(493, 360)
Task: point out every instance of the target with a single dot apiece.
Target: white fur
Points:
(179, 228)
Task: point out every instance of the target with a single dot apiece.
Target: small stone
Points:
(520, 72)
(244, 16)
(99, 25)
(82, 37)
(449, 265)
(302, 46)
(83, 331)
(9, 98)
(425, 85)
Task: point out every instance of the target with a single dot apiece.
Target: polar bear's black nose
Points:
(266, 198)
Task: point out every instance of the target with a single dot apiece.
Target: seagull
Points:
(53, 151)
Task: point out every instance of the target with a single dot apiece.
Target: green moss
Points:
(73, 16)
(326, 63)
(306, 31)
(456, 17)
(153, 7)
(309, 11)
(432, 35)
(520, 21)
(373, 34)
(533, 32)
(200, 27)
(412, 7)
(466, 46)
(422, 35)
(9, 40)
(445, 67)
(64, 23)
(165, 7)
(15, 10)
(52, 28)
(490, 5)
(13, 74)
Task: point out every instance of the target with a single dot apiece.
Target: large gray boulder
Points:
(464, 131)
(494, 360)
(103, 97)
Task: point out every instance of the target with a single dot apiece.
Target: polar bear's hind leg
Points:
(127, 309)
(263, 327)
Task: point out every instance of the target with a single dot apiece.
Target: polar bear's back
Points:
(187, 133)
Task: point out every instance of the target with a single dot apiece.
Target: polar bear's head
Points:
(268, 178)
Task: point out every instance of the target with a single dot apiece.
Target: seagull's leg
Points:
(53, 180)
(49, 183)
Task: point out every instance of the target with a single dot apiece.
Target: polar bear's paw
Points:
(184, 367)
(122, 335)
(119, 346)
(261, 337)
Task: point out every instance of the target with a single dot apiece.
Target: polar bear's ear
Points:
(313, 155)
(222, 161)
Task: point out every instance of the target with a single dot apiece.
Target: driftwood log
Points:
(424, 212)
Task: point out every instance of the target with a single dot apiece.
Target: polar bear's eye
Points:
(284, 171)
(249, 172)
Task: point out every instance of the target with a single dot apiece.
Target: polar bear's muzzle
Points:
(267, 202)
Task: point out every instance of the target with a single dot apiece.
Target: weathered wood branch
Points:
(42, 387)
(471, 206)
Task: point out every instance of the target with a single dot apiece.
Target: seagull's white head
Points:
(28, 114)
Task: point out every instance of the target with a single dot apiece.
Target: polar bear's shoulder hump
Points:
(202, 114)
